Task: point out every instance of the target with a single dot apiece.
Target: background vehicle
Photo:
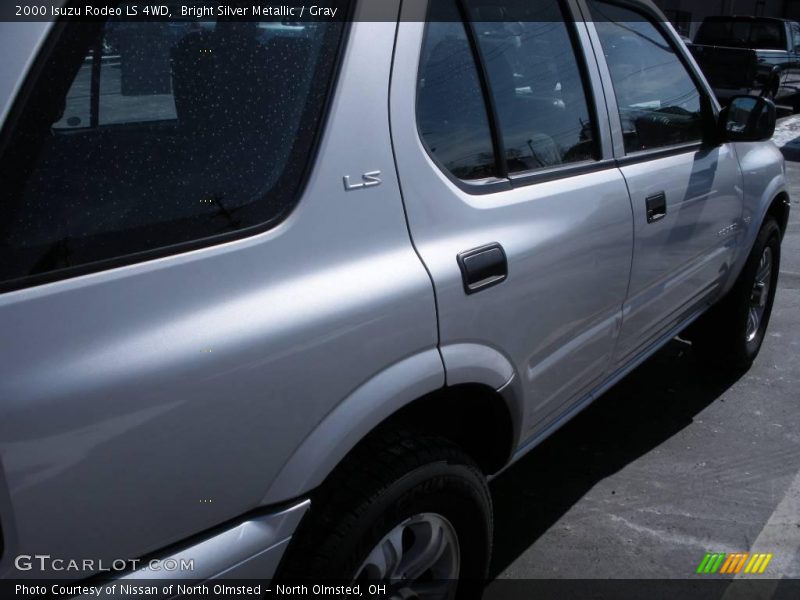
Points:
(237, 336)
(749, 55)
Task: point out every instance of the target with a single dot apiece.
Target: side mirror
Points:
(747, 119)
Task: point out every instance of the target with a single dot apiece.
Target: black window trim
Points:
(545, 174)
(508, 181)
(663, 152)
(708, 109)
(19, 108)
(498, 143)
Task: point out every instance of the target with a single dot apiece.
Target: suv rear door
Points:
(686, 194)
(510, 155)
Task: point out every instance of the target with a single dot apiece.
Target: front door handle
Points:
(656, 207)
(483, 267)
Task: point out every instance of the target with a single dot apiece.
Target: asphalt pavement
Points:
(674, 462)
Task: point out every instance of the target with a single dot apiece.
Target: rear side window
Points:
(659, 102)
(524, 109)
(138, 136)
(535, 83)
(451, 114)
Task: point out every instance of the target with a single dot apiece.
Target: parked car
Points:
(286, 319)
(749, 55)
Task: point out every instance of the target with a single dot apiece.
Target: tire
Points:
(728, 335)
(388, 482)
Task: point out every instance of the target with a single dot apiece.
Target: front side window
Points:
(142, 135)
(659, 103)
(536, 85)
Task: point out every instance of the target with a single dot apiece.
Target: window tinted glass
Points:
(451, 114)
(742, 33)
(535, 82)
(659, 103)
(145, 135)
(767, 34)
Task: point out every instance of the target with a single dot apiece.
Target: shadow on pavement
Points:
(646, 408)
(787, 142)
(791, 150)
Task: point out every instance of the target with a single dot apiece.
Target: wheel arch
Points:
(764, 188)
(775, 203)
(779, 209)
(481, 418)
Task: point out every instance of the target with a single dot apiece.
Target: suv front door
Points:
(509, 157)
(686, 194)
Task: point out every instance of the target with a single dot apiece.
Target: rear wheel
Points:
(732, 332)
(408, 511)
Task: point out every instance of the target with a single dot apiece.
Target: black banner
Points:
(283, 11)
(699, 588)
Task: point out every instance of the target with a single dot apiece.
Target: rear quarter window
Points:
(143, 136)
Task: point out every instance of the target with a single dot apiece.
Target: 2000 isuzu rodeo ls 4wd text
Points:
(280, 297)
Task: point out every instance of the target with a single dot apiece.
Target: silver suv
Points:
(278, 298)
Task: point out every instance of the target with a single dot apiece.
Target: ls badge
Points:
(367, 180)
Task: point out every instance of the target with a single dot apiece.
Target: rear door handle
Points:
(483, 267)
(656, 207)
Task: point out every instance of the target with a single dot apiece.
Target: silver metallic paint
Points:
(251, 550)
(131, 394)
